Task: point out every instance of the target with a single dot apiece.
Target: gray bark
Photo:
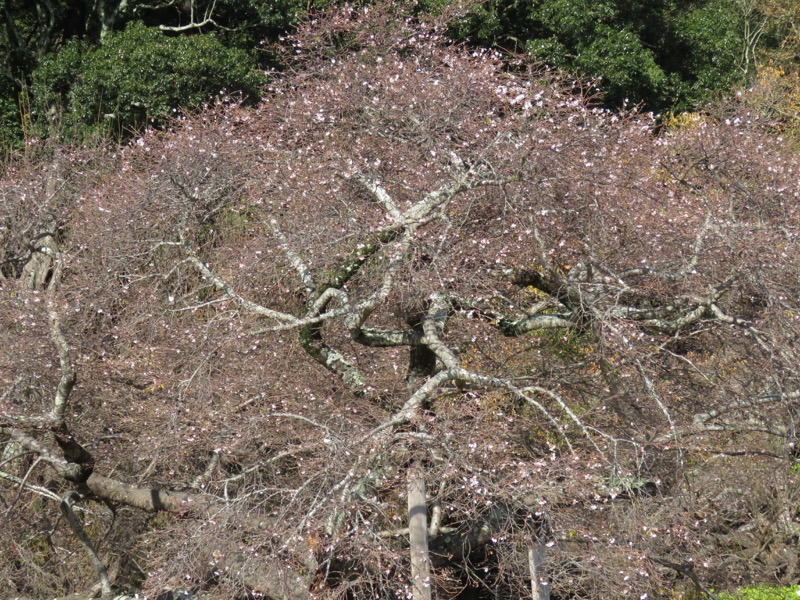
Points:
(540, 589)
(418, 534)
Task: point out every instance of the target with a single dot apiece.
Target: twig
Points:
(77, 528)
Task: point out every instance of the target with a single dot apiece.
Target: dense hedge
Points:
(668, 54)
(75, 69)
(139, 76)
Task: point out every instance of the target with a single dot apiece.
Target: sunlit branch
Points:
(297, 263)
(363, 251)
(364, 309)
(331, 359)
(382, 196)
(420, 212)
(711, 421)
(328, 433)
(321, 303)
(302, 322)
(544, 257)
(238, 299)
(533, 320)
(433, 323)
(310, 337)
(382, 338)
(213, 463)
(748, 327)
(670, 326)
(703, 418)
(530, 323)
(192, 24)
(433, 533)
(341, 485)
(68, 470)
(36, 489)
(410, 410)
(423, 394)
(68, 373)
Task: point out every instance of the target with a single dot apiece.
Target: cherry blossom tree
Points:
(240, 351)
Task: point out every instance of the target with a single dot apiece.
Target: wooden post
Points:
(418, 533)
(540, 590)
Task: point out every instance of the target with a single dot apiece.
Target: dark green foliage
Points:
(628, 71)
(11, 115)
(55, 78)
(84, 67)
(139, 76)
(58, 48)
(711, 43)
(251, 25)
(669, 54)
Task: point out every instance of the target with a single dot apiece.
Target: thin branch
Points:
(229, 292)
(198, 481)
(704, 418)
(686, 569)
(393, 533)
(330, 435)
(36, 489)
(653, 392)
(23, 484)
(80, 533)
(303, 270)
(207, 20)
(689, 268)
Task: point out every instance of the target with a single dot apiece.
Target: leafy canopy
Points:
(665, 53)
(139, 76)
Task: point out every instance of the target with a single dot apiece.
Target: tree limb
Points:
(80, 533)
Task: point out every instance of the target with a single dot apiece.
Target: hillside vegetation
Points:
(72, 68)
(424, 322)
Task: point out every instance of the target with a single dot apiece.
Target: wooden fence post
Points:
(418, 533)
